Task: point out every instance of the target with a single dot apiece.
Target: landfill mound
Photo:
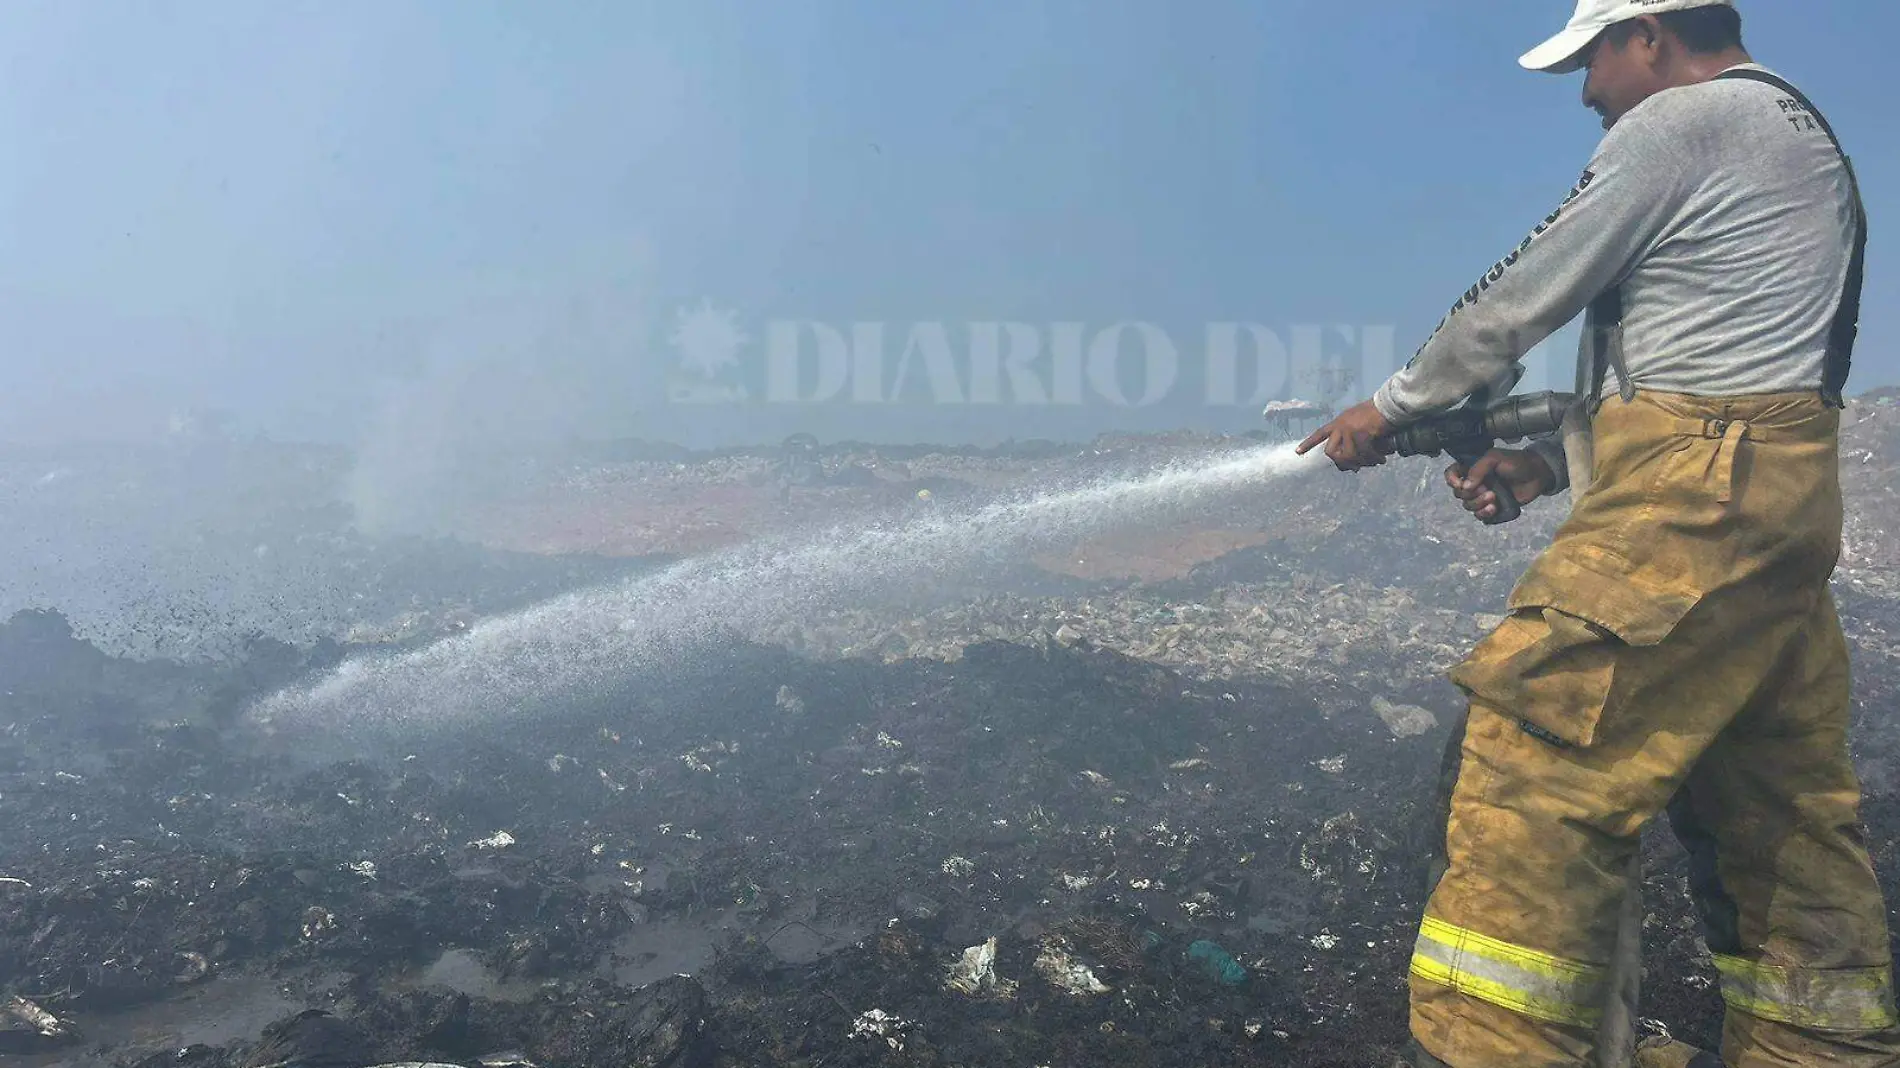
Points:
(1157, 798)
(1038, 852)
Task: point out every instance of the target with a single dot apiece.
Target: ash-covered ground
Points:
(1153, 796)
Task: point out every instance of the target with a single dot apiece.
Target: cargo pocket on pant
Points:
(1553, 663)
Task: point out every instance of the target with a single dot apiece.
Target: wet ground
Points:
(816, 844)
(1039, 851)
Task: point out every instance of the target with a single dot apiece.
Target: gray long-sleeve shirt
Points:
(1727, 217)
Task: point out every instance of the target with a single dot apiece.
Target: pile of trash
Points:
(1165, 823)
(1030, 852)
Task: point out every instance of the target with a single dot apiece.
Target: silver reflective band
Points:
(1825, 999)
(1523, 980)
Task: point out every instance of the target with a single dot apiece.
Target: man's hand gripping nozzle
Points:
(1470, 430)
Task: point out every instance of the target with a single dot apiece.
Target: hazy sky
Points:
(331, 218)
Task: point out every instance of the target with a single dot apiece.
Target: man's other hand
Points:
(1354, 440)
(1523, 471)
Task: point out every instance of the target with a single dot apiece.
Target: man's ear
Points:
(1648, 32)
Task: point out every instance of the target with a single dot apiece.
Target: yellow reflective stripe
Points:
(1826, 999)
(1518, 978)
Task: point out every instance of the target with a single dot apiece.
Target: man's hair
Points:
(1702, 30)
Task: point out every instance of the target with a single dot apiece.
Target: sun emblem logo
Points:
(708, 340)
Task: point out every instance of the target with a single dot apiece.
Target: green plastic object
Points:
(1216, 963)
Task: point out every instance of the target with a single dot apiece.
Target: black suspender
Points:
(1606, 347)
(1846, 327)
(1606, 312)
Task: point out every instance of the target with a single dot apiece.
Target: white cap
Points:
(1561, 54)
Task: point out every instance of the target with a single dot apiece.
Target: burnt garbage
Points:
(1094, 826)
(1038, 827)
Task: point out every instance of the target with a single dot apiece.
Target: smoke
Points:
(586, 641)
(502, 392)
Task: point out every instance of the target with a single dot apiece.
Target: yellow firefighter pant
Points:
(1675, 643)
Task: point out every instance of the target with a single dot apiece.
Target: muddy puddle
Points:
(217, 1012)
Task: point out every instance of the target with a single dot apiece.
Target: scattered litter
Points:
(196, 968)
(560, 762)
(708, 757)
(24, 1025)
(1075, 884)
(1199, 905)
(1331, 765)
(1187, 765)
(1404, 721)
(959, 867)
(1216, 963)
(317, 920)
(498, 840)
(885, 741)
(364, 868)
(880, 1024)
(975, 973)
(1058, 965)
(789, 702)
(1325, 939)
(1096, 777)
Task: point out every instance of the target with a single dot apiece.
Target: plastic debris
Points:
(1404, 721)
(1216, 963)
(195, 967)
(788, 701)
(25, 1026)
(317, 920)
(498, 840)
(880, 1024)
(1058, 965)
(959, 867)
(975, 973)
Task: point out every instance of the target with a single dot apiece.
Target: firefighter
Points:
(1675, 649)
